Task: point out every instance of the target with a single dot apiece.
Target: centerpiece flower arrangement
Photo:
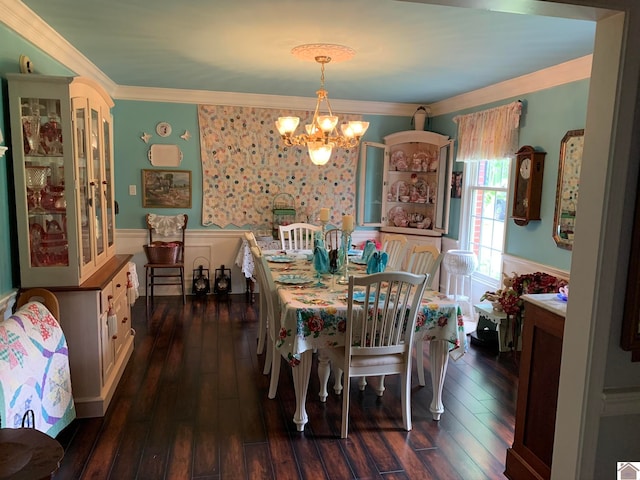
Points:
(508, 299)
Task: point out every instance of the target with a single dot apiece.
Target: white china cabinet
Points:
(63, 177)
(61, 130)
(411, 197)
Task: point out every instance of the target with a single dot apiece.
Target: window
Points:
(485, 213)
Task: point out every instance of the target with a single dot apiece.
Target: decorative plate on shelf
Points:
(399, 161)
(421, 188)
(280, 259)
(399, 189)
(398, 217)
(433, 190)
(294, 279)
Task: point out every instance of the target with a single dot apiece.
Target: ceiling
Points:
(406, 52)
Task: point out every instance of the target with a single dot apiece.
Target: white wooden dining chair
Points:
(424, 259)
(262, 313)
(251, 239)
(381, 343)
(298, 236)
(333, 239)
(269, 292)
(395, 246)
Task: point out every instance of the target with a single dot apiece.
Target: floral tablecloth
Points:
(314, 317)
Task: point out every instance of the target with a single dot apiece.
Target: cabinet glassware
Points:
(64, 191)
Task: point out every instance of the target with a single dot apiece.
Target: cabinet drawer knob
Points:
(125, 320)
(114, 337)
(118, 285)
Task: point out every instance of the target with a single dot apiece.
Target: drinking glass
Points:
(36, 181)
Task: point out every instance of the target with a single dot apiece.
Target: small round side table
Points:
(28, 454)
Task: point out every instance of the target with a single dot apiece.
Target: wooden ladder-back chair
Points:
(269, 292)
(395, 246)
(298, 236)
(333, 239)
(379, 335)
(165, 258)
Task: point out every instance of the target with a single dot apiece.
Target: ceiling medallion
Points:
(337, 53)
(321, 135)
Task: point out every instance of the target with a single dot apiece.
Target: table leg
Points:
(301, 373)
(439, 359)
(323, 374)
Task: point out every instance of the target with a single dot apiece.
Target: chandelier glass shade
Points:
(321, 135)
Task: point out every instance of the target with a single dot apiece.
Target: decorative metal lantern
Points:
(222, 283)
(201, 285)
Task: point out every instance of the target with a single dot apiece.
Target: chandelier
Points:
(321, 135)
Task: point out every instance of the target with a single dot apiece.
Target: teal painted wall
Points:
(546, 116)
(133, 118)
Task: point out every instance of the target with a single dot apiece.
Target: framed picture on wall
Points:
(456, 184)
(166, 188)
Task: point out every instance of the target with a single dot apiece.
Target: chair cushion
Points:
(337, 356)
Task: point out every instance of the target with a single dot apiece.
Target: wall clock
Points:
(527, 192)
(163, 129)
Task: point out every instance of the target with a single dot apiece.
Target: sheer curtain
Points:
(489, 134)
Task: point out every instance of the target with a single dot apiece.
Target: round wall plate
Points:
(163, 129)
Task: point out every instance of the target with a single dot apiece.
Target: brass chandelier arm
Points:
(321, 134)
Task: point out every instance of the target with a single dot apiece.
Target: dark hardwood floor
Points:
(192, 404)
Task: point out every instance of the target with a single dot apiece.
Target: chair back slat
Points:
(333, 239)
(298, 236)
(386, 320)
(425, 259)
(395, 246)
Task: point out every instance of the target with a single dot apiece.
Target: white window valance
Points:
(489, 134)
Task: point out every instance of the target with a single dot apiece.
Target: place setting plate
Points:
(358, 260)
(280, 258)
(359, 297)
(294, 279)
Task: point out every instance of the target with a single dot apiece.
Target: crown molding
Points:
(20, 18)
(172, 95)
(567, 72)
(24, 21)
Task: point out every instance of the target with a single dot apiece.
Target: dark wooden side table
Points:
(28, 454)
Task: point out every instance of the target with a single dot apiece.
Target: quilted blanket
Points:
(34, 371)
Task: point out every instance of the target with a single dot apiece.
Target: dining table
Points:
(313, 318)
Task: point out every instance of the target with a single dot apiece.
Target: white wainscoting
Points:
(217, 247)
(510, 265)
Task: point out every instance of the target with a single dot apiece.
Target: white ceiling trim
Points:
(173, 95)
(567, 72)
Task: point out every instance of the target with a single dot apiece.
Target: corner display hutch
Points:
(63, 172)
(412, 195)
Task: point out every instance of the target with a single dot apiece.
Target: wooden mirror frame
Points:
(567, 190)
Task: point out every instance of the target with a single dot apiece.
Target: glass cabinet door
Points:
(97, 178)
(64, 196)
(44, 182)
(107, 186)
(82, 176)
(405, 183)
